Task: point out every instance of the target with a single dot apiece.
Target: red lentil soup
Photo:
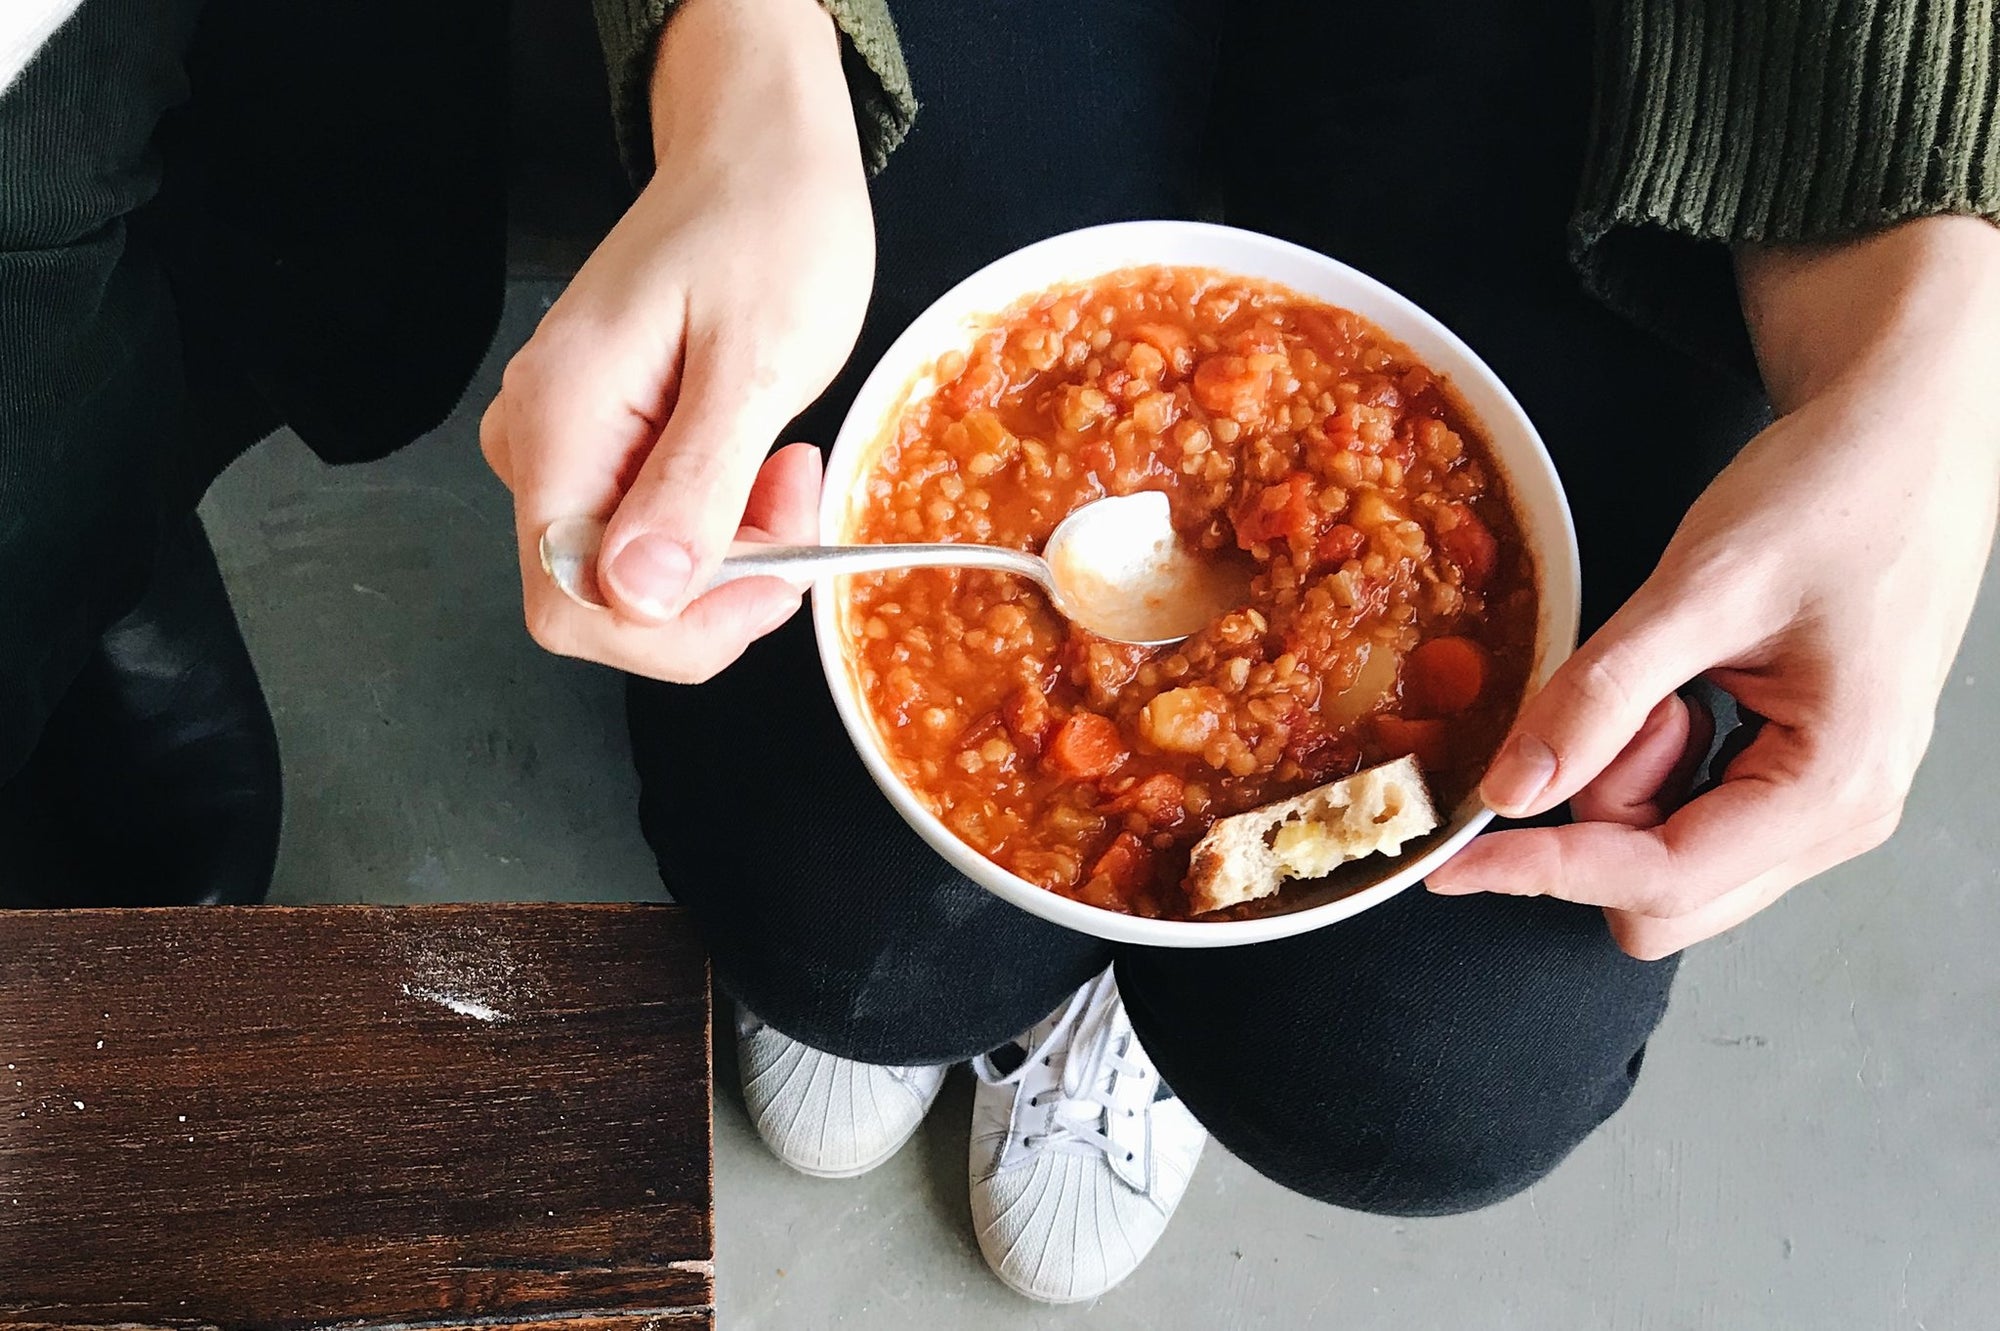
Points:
(1393, 604)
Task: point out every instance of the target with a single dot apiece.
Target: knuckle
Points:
(521, 373)
(492, 436)
(1598, 683)
(1864, 793)
(542, 362)
(549, 626)
(1878, 829)
(1892, 819)
(1881, 806)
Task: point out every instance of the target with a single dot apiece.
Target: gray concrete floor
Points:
(1815, 1143)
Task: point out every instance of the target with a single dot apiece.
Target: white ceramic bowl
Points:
(953, 323)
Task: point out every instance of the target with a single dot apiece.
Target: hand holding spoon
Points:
(1114, 566)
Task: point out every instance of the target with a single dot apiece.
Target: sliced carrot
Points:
(1086, 746)
(1429, 741)
(1444, 676)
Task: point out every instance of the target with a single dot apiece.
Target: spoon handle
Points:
(802, 564)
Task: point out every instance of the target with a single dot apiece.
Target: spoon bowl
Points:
(1118, 568)
(1114, 566)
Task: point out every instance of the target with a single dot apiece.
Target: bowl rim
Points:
(953, 318)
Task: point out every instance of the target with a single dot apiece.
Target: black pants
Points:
(1432, 1055)
(216, 217)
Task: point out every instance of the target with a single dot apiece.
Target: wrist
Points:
(1913, 310)
(737, 79)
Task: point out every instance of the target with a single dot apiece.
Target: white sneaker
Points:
(823, 1115)
(1079, 1156)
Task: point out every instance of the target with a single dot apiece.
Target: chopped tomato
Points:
(1174, 343)
(1127, 863)
(1284, 510)
(1429, 740)
(1340, 543)
(1444, 676)
(1470, 545)
(1233, 386)
(1029, 718)
(1156, 798)
(1086, 746)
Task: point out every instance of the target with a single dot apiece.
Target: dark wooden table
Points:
(429, 1117)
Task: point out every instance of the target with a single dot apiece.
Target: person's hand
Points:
(1824, 580)
(720, 306)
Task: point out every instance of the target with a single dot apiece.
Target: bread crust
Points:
(1251, 855)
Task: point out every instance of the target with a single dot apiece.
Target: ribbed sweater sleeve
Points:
(876, 76)
(1726, 121)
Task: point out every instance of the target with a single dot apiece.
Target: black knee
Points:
(1407, 1147)
(1432, 1056)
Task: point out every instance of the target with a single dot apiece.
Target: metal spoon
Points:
(1114, 566)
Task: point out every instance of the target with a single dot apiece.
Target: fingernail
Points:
(1522, 771)
(651, 575)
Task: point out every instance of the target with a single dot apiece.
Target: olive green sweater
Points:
(1716, 122)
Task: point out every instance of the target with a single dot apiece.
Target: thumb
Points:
(1598, 701)
(690, 494)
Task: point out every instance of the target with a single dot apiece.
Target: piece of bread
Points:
(1308, 836)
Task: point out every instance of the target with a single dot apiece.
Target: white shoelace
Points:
(1095, 1074)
